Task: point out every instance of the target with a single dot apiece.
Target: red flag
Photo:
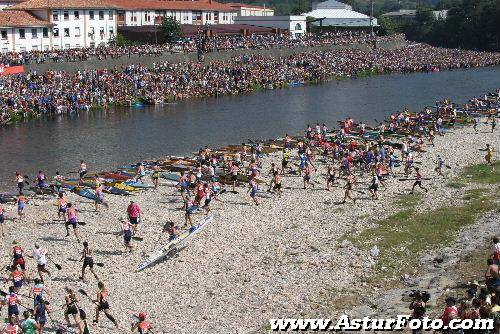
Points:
(8, 70)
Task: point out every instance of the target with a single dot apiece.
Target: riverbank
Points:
(161, 84)
(284, 258)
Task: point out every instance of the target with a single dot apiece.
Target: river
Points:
(105, 139)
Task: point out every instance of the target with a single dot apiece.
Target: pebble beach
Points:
(284, 258)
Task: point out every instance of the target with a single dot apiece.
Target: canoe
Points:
(185, 235)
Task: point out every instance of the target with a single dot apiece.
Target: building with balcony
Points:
(251, 10)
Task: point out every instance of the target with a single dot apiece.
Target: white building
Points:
(333, 13)
(75, 24)
(251, 10)
(151, 12)
(295, 24)
(21, 31)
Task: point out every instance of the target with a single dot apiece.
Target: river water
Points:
(105, 139)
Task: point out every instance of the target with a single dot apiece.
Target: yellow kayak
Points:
(123, 186)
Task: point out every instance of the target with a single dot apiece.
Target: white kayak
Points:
(185, 235)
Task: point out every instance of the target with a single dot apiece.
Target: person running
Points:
(134, 215)
(350, 181)
(209, 195)
(493, 124)
(13, 301)
(20, 182)
(474, 126)
(273, 172)
(102, 304)
(29, 325)
(253, 188)
(37, 291)
(2, 220)
(82, 170)
(155, 176)
(21, 204)
(418, 181)
(41, 259)
(88, 261)
(330, 181)
(73, 221)
(307, 174)
(374, 186)
(141, 172)
(234, 170)
(71, 308)
(40, 313)
(58, 181)
(99, 196)
(18, 277)
(489, 154)
(40, 177)
(190, 208)
(285, 160)
(127, 234)
(439, 166)
(17, 255)
(142, 326)
(62, 206)
(172, 230)
(277, 184)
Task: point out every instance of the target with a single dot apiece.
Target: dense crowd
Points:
(56, 92)
(217, 43)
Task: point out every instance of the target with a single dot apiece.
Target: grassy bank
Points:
(405, 236)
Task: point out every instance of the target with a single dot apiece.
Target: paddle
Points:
(83, 292)
(82, 223)
(137, 238)
(58, 266)
(99, 264)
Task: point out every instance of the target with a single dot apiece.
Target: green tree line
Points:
(470, 24)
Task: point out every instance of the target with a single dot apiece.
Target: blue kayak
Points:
(137, 184)
(87, 194)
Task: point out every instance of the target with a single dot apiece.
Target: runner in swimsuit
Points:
(102, 304)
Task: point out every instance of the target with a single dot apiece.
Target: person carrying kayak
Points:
(82, 170)
(103, 305)
(134, 215)
(20, 182)
(73, 221)
(88, 261)
(142, 326)
(62, 206)
(127, 234)
(21, 204)
(29, 325)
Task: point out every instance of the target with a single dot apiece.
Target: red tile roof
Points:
(171, 5)
(18, 18)
(62, 4)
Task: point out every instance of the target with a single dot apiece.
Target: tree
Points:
(300, 7)
(120, 40)
(171, 29)
(387, 26)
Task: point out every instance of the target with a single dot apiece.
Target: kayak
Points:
(87, 193)
(170, 176)
(117, 176)
(185, 235)
(123, 186)
(136, 184)
(116, 191)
